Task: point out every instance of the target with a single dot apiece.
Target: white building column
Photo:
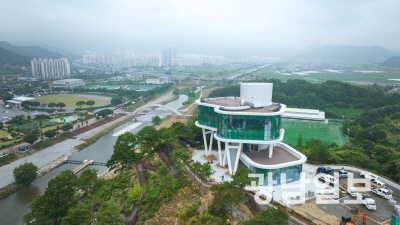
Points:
(239, 150)
(224, 160)
(228, 157)
(205, 140)
(211, 141)
(219, 153)
(271, 150)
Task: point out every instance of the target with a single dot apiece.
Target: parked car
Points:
(383, 192)
(343, 174)
(328, 179)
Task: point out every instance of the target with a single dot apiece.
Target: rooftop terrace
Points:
(235, 102)
(279, 156)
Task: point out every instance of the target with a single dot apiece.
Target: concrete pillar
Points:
(205, 141)
(239, 150)
(224, 160)
(271, 149)
(219, 153)
(211, 140)
(228, 158)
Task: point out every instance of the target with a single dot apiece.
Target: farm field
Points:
(326, 132)
(354, 78)
(70, 100)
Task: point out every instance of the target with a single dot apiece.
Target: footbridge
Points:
(83, 164)
(168, 109)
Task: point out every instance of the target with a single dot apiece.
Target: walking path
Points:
(40, 159)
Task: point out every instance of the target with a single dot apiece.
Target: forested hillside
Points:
(13, 58)
(392, 62)
(30, 51)
(331, 96)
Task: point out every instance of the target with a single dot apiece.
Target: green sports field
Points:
(326, 132)
(69, 100)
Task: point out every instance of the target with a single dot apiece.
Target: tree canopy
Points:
(25, 173)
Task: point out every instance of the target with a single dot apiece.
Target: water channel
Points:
(14, 207)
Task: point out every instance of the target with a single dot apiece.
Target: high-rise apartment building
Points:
(155, 61)
(168, 55)
(50, 68)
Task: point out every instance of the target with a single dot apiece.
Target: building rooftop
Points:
(23, 99)
(235, 102)
(279, 156)
(69, 80)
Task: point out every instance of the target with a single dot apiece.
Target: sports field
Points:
(70, 100)
(326, 132)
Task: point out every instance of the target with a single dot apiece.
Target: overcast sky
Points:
(206, 26)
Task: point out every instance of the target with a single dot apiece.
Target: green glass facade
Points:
(292, 173)
(264, 128)
(207, 116)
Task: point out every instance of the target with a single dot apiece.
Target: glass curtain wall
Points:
(264, 128)
(292, 173)
(207, 116)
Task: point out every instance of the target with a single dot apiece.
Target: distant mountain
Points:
(30, 51)
(13, 58)
(392, 62)
(344, 53)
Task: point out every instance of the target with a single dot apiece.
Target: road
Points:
(40, 159)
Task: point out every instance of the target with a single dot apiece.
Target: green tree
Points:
(109, 213)
(52, 105)
(116, 101)
(56, 200)
(241, 177)
(318, 149)
(270, 216)
(225, 193)
(80, 103)
(164, 176)
(7, 97)
(299, 144)
(80, 214)
(87, 178)
(105, 112)
(124, 152)
(25, 173)
(50, 133)
(61, 105)
(156, 120)
(176, 91)
(135, 192)
(31, 137)
(67, 127)
(90, 102)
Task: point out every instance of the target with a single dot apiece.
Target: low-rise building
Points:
(67, 83)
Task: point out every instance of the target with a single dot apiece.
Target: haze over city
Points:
(264, 28)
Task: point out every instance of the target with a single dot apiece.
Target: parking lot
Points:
(14, 112)
(381, 214)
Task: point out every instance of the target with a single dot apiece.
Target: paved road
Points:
(39, 159)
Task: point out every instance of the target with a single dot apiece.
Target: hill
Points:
(344, 53)
(392, 62)
(30, 51)
(13, 58)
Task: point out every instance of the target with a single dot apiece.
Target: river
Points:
(14, 207)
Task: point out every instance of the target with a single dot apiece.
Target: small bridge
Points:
(174, 111)
(81, 162)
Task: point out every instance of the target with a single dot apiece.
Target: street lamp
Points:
(272, 197)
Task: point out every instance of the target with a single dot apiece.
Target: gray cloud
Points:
(206, 26)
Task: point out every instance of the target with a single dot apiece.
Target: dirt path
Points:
(192, 108)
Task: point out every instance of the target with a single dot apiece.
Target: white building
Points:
(152, 81)
(155, 61)
(51, 68)
(168, 55)
(250, 127)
